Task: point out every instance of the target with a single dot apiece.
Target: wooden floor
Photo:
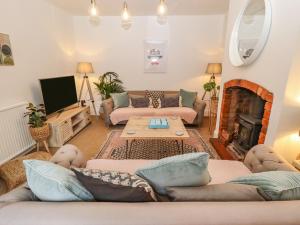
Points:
(92, 137)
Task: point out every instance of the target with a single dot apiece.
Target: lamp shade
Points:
(85, 67)
(214, 68)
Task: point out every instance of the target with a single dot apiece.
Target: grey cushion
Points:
(213, 193)
(181, 170)
(140, 102)
(274, 185)
(172, 101)
(121, 100)
(188, 98)
(19, 194)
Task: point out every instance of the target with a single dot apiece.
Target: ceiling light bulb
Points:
(93, 9)
(125, 13)
(126, 20)
(162, 8)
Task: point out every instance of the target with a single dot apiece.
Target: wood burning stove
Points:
(247, 134)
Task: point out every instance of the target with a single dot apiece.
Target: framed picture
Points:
(155, 56)
(6, 57)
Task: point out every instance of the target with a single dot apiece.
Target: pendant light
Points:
(93, 9)
(126, 18)
(162, 12)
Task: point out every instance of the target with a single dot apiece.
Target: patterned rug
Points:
(115, 147)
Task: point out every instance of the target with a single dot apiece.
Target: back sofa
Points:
(259, 159)
(199, 108)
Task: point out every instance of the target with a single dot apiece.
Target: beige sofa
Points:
(112, 117)
(260, 158)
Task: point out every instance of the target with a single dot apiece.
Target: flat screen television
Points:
(58, 93)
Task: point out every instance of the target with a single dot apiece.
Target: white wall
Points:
(272, 69)
(193, 41)
(42, 45)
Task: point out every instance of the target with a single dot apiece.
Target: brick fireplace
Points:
(244, 118)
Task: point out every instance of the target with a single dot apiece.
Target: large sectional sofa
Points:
(193, 116)
(259, 159)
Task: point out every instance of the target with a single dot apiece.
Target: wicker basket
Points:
(40, 133)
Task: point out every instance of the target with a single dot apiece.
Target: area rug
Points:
(115, 147)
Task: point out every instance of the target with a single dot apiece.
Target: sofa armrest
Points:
(262, 158)
(199, 107)
(108, 107)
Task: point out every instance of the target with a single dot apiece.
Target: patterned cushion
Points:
(141, 102)
(155, 96)
(170, 101)
(115, 186)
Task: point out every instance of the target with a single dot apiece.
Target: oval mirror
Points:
(250, 32)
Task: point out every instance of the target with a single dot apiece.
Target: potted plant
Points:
(109, 83)
(38, 127)
(212, 88)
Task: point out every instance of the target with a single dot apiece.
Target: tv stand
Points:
(67, 124)
(59, 112)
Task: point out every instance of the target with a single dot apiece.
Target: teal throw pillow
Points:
(121, 100)
(51, 182)
(274, 185)
(188, 98)
(186, 170)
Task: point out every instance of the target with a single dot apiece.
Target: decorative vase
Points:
(40, 134)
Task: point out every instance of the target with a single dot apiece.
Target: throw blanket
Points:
(123, 114)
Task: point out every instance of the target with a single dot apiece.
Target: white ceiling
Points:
(145, 7)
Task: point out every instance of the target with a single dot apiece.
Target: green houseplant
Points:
(38, 127)
(109, 83)
(213, 88)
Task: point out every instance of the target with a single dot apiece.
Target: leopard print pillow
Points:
(155, 96)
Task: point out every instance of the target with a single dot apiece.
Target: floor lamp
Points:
(86, 68)
(213, 69)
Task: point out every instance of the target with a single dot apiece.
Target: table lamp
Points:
(86, 68)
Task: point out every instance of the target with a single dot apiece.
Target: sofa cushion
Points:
(51, 182)
(114, 186)
(155, 96)
(274, 185)
(179, 171)
(188, 98)
(140, 102)
(221, 171)
(121, 100)
(172, 101)
(123, 114)
(214, 192)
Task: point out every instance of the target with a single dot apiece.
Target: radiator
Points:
(15, 138)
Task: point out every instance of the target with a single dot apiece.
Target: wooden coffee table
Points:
(137, 129)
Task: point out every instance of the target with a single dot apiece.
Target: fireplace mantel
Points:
(226, 111)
